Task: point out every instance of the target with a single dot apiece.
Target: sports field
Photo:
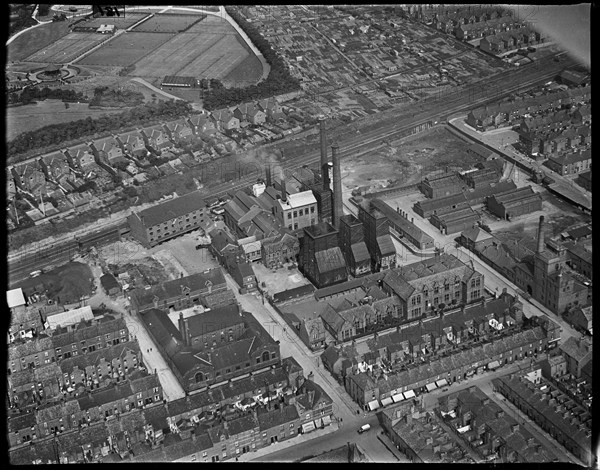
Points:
(209, 48)
(126, 49)
(122, 22)
(67, 48)
(168, 23)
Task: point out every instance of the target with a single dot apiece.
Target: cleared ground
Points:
(279, 280)
(407, 161)
(65, 284)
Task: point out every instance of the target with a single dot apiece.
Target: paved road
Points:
(344, 407)
(153, 360)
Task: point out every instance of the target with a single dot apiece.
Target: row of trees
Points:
(278, 82)
(31, 94)
(60, 134)
(103, 96)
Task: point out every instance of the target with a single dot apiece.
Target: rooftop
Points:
(15, 298)
(171, 209)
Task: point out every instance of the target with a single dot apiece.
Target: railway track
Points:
(426, 111)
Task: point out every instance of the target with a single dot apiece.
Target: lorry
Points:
(364, 428)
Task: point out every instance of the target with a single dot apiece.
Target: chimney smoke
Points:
(337, 186)
(541, 244)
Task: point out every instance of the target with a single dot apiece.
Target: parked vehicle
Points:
(364, 428)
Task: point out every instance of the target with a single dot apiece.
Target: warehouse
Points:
(454, 221)
(441, 186)
(514, 203)
(401, 227)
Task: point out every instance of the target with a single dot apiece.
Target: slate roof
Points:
(172, 209)
(386, 245)
(275, 418)
(213, 320)
(330, 259)
(360, 252)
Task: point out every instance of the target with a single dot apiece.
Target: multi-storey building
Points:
(377, 237)
(168, 219)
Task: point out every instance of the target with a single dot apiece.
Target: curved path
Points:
(154, 89)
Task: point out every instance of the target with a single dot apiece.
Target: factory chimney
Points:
(324, 162)
(268, 174)
(283, 191)
(337, 186)
(541, 244)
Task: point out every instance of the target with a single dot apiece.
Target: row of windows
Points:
(301, 212)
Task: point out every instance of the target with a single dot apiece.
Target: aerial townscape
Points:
(299, 233)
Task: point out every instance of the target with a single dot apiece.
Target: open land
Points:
(407, 161)
(36, 39)
(168, 23)
(67, 48)
(30, 117)
(127, 49)
(122, 22)
(65, 284)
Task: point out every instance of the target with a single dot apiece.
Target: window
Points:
(204, 454)
(295, 214)
(300, 212)
(446, 285)
(312, 209)
(446, 297)
(436, 289)
(289, 215)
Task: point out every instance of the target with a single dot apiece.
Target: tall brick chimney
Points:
(541, 244)
(337, 186)
(324, 162)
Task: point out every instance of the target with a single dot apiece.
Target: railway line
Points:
(431, 111)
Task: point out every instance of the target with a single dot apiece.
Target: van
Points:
(364, 428)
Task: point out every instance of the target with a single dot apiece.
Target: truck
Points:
(364, 428)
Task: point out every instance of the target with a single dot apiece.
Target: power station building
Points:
(377, 237)
(351, 237)
(320, 258)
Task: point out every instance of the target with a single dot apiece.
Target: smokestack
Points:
(541, 244)
(337, 186)
(324, 163)
(268, 174)
(283, 191)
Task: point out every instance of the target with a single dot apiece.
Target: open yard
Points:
(67, 48)
(65, 284)
(279, 280)
(406, 161)
(126, 49)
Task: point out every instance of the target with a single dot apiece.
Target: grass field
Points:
(65, 284)
(36, 39)
(122, 22)
(126, 49)
(33, 116)
(247, 72)
(210, 48)
(168, 23)
(67, 48)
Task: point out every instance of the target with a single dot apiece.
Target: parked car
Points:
(364, 428)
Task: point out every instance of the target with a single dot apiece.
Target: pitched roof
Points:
(330, 259)
(269, 419)
(214, 319)
(171, 209)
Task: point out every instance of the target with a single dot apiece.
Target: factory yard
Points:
(278, 280)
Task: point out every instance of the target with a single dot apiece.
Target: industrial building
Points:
(169, 219)
(543, 275)
(402, 228)
(440, 186)
(514, 203)
(377, 237)
(351, 238)
(450, 221)
(320, 257)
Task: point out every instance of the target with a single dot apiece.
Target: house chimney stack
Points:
(324, 162)
(541, 244)
(337, 186)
